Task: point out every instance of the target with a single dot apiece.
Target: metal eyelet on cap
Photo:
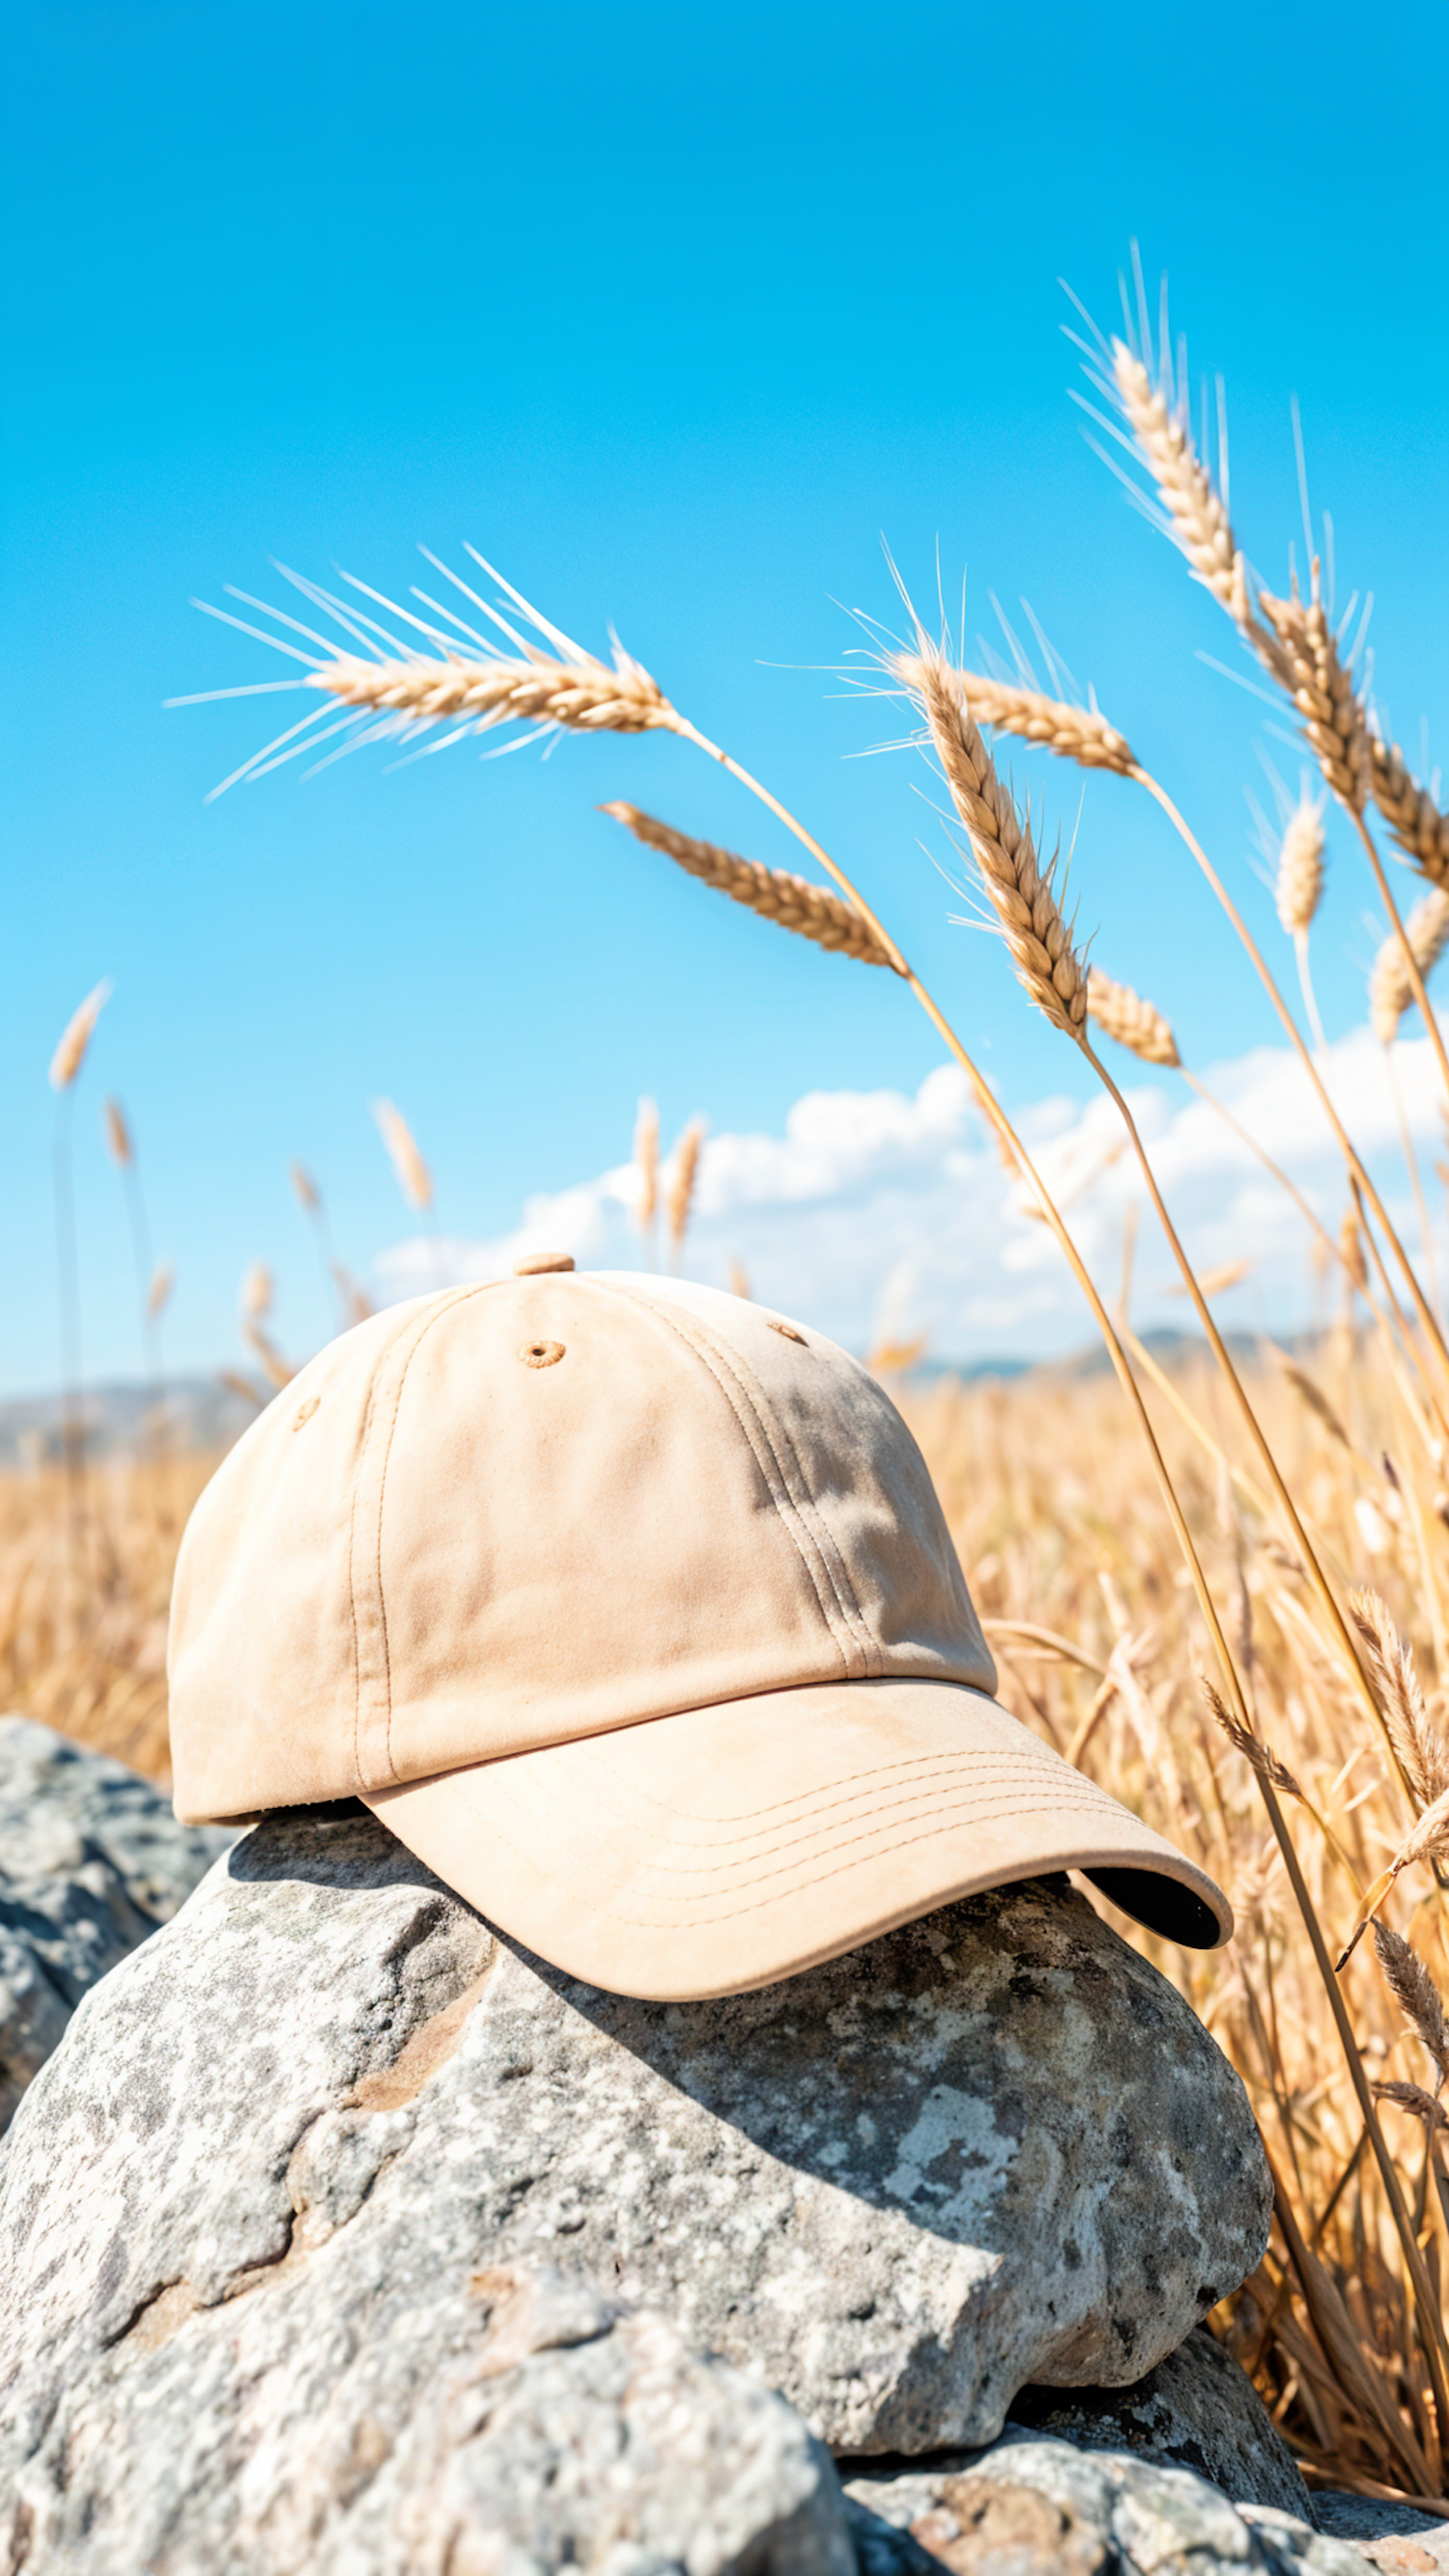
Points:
(541, 1354)
(787, 1329)
(305, 1411)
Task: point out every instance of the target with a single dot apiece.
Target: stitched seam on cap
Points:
(983, 1802)
(461, 1297)
(832, 1555)
(1130, 1858)
(362, 1450)
(872, 1783)
(824, 1535)
(719, 1360)
(352, 1580)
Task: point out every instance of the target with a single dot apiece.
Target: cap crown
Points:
(514, 1514)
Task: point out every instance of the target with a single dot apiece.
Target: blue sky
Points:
(673, 312)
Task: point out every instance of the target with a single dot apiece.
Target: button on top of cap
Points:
(530, 1264)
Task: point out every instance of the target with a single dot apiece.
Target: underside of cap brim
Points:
(724, 1848)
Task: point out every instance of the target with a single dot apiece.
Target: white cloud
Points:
(877, 1215)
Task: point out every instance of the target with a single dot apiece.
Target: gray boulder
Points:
(1196, 2410)
(91, 1860)
(1028, 2507)
(255, 2212)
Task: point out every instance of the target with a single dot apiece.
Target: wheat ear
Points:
(586, 696)
(1019, 890)
(1259, 1755)
(682, 1182)
(1413, 818)
(257, 1290)
(1198, 514)
(118, 1135)
(1421, 1751)
(1427, 1839)
(773, 892)
(646, 1164)
(75, 1037)
(414, 1178)
(1073, 733)
(1414, 1989)
(1413, 2098)
(1298, 890)
(1304, 659)
(1391, 989)
(1134, 1023)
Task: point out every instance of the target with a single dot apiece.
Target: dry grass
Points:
(83, 1643)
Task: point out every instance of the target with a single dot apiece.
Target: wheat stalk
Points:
(158, 1293)
(309, 1197)
(118, 1134)
(414, 1178)
(646, 1162)
(775, 893)
(1350, 1247)
(257, 1290)
(75, 1037)
(1391, 991)
(279, 1370)
(353, 1297)
(1413, 818)
(1073, 733)
(682, 1180)
(1313, 1396)
(1134, 1023)
(1020, 891)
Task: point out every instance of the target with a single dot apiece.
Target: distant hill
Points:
(199, 1413)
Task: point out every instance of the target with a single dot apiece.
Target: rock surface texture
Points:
(91, 1860)
(1392, 2537)
(1197, 2410)
(322, 2228)
(1029, 2507)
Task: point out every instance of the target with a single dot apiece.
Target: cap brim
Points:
(726, 1847)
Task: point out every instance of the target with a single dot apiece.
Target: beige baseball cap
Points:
(630, 1607)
